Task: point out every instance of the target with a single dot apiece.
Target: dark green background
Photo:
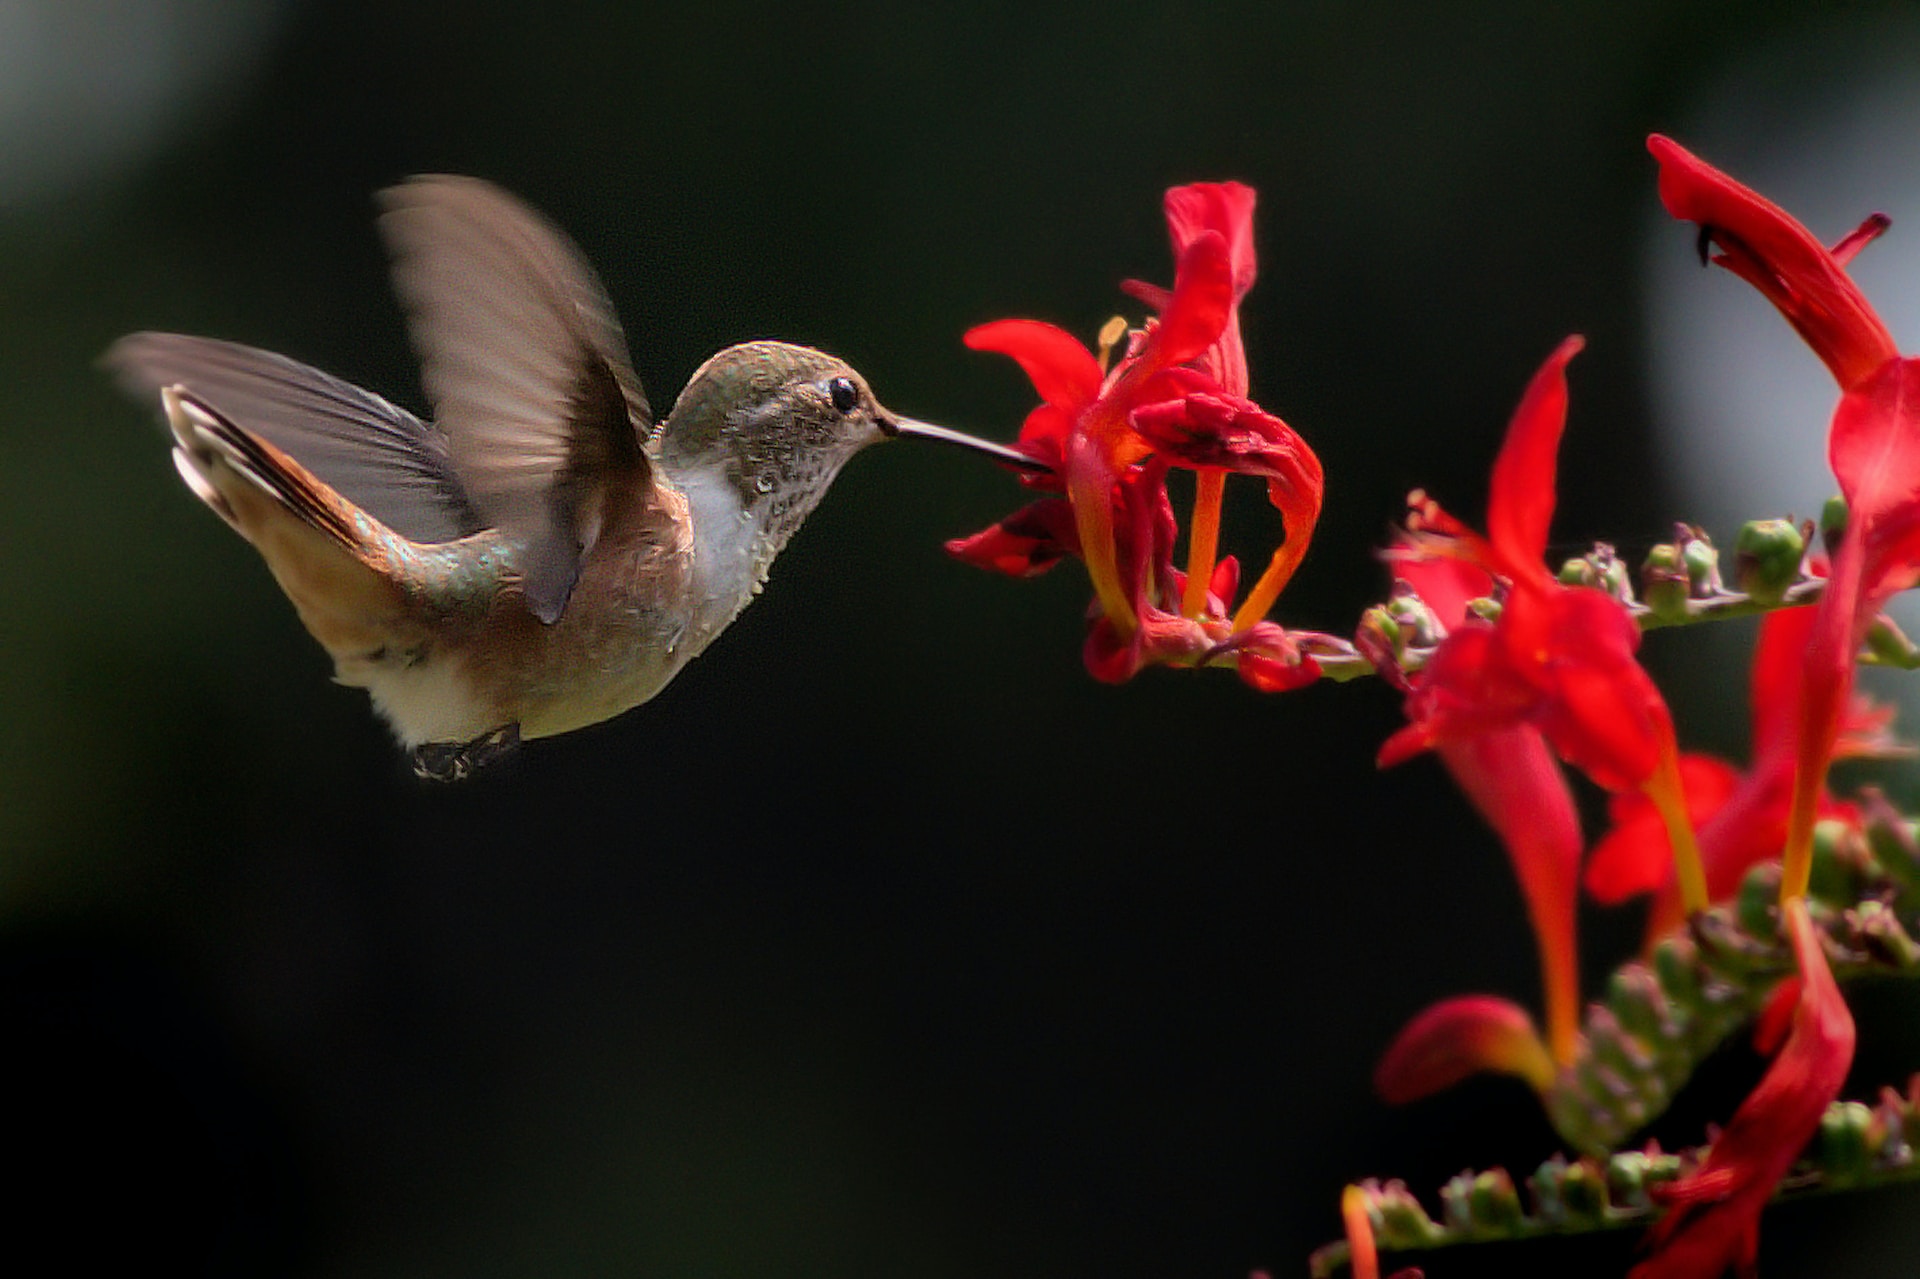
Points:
(884, 941)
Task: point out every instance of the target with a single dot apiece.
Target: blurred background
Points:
(884, 941)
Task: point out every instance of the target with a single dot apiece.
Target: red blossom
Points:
(1713, 1221)
(1176, 398)
(1763, 245)
(1513, 780)
(1873, 444)
(1561, 658)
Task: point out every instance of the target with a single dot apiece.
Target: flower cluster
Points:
(1511, 672)
(1175, 397)
(1557, 666)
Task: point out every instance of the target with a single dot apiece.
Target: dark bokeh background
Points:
(884, 941)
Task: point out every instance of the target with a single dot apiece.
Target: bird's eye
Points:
(845, 394)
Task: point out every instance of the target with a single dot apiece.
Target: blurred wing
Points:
(525, 365)
(380, 457)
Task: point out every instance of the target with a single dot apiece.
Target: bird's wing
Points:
(376, 455)
(323, 551)
(525, 365)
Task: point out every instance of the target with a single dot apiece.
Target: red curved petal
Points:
(1520, 499)
(1874, 448)
(1062, 370)
(1762, 244)
(1714, 1223)
(1519, 789)
(1457, 1038)
(1025, 544)
(1202, 301)
(1225, 208)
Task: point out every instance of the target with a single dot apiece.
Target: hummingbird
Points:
(544, 554)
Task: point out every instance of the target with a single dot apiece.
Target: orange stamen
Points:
(1204, 542)
(1271, 583)
(1669, 796)
(1363, 1258)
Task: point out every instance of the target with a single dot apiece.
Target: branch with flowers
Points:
(1767, 890)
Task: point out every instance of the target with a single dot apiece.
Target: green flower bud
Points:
(1833, 523)
(1702, 560)
(1888, 645)
(1767, 558)
(1665, 584)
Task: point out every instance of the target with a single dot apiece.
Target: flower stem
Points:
(1204, 542)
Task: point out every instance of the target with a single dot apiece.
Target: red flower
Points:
(1763, 245)
(1177, 397)
(1873, 445)
(1713, 1224)
(1741, 817)
(1561, 659)
(1518, 787)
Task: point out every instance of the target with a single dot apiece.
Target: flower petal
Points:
(1763, 245)
(1874, 448)
(1518, 787)
(1520, 499)
(1600, 708)
(1025, 544)
(1714, 1223)
(1060, 368)
(1457, 1038)
(1203, 299)
(1269, 660)
(1635, 856)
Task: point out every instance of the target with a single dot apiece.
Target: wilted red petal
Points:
(1714, 1223)
(1220, 430)
(1766, 247)
(1520, 499)
(1025, 544)
(1459, 1037)
(1062, 370)
(1111, 657)
(1514, 781)
(1269, 660)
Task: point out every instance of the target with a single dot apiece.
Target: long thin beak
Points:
(916, 429)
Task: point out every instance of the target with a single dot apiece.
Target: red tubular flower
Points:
(1713, 1223)
(1741, 817)
(1873, 446)
(1561, 659)
(1763, 245)
(1176, 398)
(1518, 787)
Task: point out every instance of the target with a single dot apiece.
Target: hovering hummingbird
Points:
(543, 555)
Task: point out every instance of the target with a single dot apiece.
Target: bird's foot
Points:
(455, 761)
